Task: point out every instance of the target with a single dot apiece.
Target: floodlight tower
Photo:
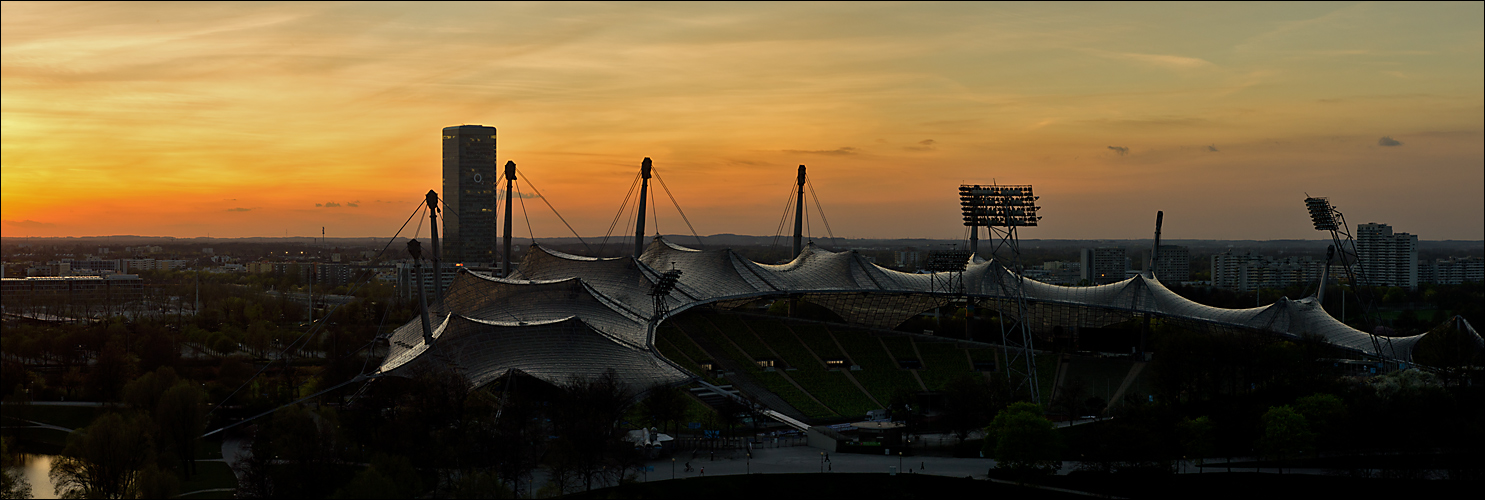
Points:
(659, 292)
(1002, 209)
(1327, 218)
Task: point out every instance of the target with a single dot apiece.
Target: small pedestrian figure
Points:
(703, 471)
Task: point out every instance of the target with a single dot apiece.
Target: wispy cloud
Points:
(1120, 150)
(1168, 61)
(1389, 141)
(923, 145)
(239, 209)
(842, 151)
(1212, 148)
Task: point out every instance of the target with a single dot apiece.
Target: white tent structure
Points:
(562, 315)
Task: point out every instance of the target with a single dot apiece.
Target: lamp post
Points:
(822, 462)
(672, 467)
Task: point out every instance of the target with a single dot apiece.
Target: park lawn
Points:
(209, 448)
(39, 441)
(71, 417)
(209, 475)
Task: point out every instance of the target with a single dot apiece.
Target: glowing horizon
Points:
(244, 120)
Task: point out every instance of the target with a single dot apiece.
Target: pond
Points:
(37, 471)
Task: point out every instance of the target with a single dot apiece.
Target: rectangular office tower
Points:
(469, 192)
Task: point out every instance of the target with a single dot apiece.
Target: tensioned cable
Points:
(320, 324)
(357, 378)
(808, 231)
(524, 177)
(678, 208)
(603, 246)
(362, 374)
(788, 207)
(525, 214)
(821, 210)
(654, 212)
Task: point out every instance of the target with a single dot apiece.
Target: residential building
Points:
(1452, 271)
(1249, 271)
(1174, 265)
(1104, 265)
(1387, 258)
(406, 280)
(1057, 272)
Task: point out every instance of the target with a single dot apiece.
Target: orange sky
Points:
(186, 119)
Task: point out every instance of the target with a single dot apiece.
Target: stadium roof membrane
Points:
(561, 315)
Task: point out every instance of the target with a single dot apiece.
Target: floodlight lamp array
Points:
(666, 283)
(1321, 213)
(998, 205)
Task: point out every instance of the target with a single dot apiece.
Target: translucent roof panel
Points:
(561, 315)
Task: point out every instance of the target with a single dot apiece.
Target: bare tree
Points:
(103, 460)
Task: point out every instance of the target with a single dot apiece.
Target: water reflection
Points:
(37, 470)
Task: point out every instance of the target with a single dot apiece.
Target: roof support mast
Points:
(510, 180)
(1155, 251)
(799, 215)
(437, 260)
(644, 188)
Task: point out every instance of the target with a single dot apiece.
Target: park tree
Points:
(13, 483)
(1325, 414)
(106, 378)
(1197, 437)
(255, 470)
(665, 405)
(156, 482)
(968, 404)
(144, 392)
(1286, 434)
(1024, 441)
(389, 476)
(104, 459)
(180, 416)
(590, 447)
(517, 437)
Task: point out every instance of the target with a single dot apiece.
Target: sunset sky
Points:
(188, 119)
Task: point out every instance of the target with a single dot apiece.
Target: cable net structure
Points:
(561, 315)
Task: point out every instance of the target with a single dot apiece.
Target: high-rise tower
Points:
(469, 191)
(1387, 258)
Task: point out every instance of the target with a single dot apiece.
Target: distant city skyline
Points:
(242, 120)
